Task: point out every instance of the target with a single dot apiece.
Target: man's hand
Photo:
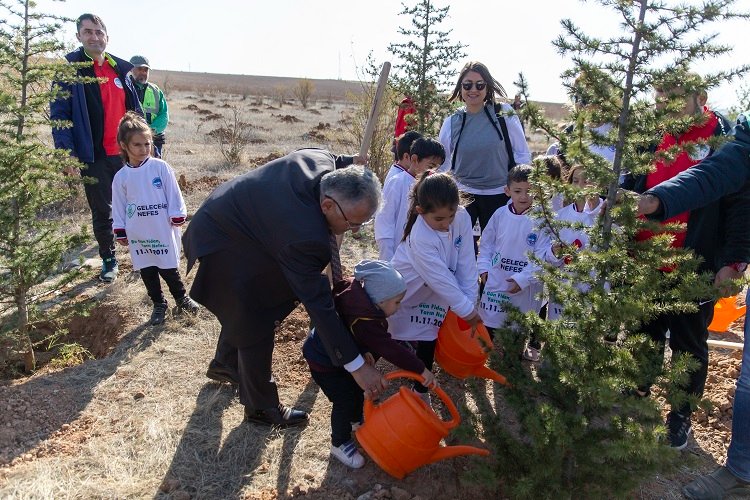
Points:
(725, 281)
(647, 204)
(370, 380)
(359, 160)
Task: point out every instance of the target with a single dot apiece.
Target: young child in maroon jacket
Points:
(363, 303)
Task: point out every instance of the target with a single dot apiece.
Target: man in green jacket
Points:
(152, 101)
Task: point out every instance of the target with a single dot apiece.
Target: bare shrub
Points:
(279, 93)
(303, 91)
(232, 137)
(355, 121)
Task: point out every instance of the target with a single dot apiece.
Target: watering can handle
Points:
(455, 418)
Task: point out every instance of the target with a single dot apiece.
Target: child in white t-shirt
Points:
(436, 258)
(403, 148)
(425, 154)
(147, 210)
(585, 211)
(504, 263)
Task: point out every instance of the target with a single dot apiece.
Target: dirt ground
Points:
(141, 420)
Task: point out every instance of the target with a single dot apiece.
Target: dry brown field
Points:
(141, 420)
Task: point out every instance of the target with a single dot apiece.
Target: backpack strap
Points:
(504, 134)
(458, 139)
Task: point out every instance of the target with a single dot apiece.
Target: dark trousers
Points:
(425, 351)
(99, 197)
(347, 398)
(246, 340)
(482, 207)
(257, 387)
(688, 334)
(150, 276)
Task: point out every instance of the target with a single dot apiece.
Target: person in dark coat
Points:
(263, 240)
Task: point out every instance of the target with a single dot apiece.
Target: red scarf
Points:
(665, 171)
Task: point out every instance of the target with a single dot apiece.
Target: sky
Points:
(331, 38)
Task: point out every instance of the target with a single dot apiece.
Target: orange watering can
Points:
(403, 432)
(725, 313)
(463, 353)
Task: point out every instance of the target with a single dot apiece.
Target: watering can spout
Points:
(488, 373)
(456, 451)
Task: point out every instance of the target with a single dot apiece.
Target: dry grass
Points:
(145, 422)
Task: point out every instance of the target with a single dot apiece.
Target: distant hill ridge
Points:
(334, 90)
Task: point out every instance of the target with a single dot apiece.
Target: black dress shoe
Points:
(220, 373)
(282, 416)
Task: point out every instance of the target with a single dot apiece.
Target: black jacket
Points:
(270, 222)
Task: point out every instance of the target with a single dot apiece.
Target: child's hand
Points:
(483, 278)
(473, 320)
(369, 359)
(514, 288)
(178, 221)
(429, 379)
(122, 241)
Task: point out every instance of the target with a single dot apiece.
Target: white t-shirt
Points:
(144, 199)
(572, 236)
(504, 253)
(440, 273)
(391, 219)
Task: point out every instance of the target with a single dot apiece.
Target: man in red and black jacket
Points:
(95, 110)
(708, 234)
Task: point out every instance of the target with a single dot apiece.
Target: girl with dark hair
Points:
(476, 141)
(436, 258)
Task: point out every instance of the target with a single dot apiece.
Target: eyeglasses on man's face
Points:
(480, 85)
(350, 225)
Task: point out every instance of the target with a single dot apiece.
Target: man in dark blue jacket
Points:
(724, 173)
(95, 110)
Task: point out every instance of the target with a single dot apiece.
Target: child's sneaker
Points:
(159, 314)
(187, 305)
(531, 354)
(348, 455)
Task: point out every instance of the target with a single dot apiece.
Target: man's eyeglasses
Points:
(480, 85)
(350, 225)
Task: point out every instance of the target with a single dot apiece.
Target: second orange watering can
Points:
(463, 353)
(726, 312)
(403, 432)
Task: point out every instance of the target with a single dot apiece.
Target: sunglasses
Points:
(350, 225)
(480, 85)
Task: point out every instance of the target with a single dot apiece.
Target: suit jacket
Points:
(270, 221)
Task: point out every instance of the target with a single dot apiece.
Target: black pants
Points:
(347, 397)
(482, 207)
(99, 197)
(425, 351)
(688, 334)
(246, 340)
(150, 276)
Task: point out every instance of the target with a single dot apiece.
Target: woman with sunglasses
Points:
(474, 139)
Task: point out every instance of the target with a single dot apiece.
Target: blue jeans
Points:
(738, 457)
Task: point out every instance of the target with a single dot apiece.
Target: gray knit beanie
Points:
(379, 279)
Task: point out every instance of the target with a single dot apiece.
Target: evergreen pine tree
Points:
(424, 68)
(582, 431)
(33, 236)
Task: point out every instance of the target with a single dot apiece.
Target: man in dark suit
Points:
(263, 240)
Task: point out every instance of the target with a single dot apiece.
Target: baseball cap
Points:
(139, 61)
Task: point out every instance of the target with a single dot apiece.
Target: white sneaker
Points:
(348, 455)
